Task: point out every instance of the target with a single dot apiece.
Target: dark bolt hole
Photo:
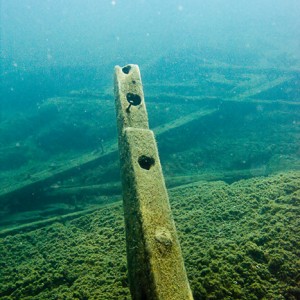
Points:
(146, 162)
(126, 69)
(133, 99)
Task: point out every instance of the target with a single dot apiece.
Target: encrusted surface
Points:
(239, 241)
(156, 268)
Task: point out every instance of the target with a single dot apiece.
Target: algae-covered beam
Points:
(155, 264)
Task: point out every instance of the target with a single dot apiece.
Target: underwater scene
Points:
(221, 81)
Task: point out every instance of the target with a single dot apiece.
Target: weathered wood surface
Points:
(155, 264)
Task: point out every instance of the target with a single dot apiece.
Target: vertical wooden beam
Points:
(155, 264)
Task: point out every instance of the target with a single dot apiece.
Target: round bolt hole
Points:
(133, 99)
(126, 69)
(146, 162)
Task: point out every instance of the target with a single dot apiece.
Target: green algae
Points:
(239, 241)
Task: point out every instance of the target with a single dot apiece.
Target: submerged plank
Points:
(62, 218)
(88, 160)
(108, 189)
(262, 85)
(183, 120)
(186, 100)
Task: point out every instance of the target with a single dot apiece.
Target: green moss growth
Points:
(239, 241)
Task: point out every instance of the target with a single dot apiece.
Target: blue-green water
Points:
(221, 83)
